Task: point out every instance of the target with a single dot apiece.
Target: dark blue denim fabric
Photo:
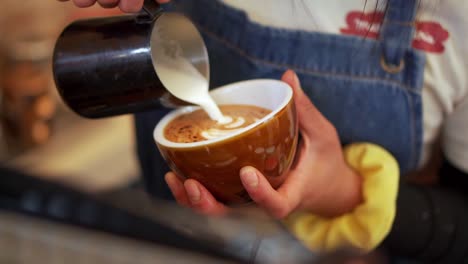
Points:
(343, 76)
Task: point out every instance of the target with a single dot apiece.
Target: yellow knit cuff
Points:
(369, 223)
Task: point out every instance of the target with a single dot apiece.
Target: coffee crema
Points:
(198, 126)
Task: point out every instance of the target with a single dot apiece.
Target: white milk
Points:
(185, 82)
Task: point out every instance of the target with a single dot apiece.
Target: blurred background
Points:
(38, 133)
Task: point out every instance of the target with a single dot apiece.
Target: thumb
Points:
(309, 116)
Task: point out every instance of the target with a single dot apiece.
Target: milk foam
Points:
(237, 123)
(231, 127)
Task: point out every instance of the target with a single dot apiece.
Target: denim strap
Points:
(397, 30)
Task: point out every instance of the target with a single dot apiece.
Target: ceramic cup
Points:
(268, 145)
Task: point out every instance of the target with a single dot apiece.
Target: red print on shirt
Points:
(365, 25)
(430, 36)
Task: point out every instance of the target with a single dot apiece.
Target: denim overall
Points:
(369, 89)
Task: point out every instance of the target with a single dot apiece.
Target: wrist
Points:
(346, 193)
(340, 195)
(350, 191)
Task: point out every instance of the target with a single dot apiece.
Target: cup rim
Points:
(158, 132)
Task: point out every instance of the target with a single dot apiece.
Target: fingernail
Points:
(173, 183)
(249, 177)
(128, 7)
(193, 192)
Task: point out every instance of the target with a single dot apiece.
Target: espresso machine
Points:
(107, 67)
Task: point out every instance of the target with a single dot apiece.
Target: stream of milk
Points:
(185, 82)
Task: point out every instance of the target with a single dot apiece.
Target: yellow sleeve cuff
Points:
(369, 223)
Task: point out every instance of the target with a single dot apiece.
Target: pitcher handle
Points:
(150, 11)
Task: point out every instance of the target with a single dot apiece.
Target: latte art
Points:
(198, 126)
(227, 129)
(237, 123)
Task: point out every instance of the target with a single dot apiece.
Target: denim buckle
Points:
(392, 68)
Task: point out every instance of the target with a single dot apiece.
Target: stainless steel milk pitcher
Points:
(108, 66)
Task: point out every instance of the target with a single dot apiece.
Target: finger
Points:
(177, 188)
(131, 6)
(202, 200)
(84, 3)
(309, 116)
(108, 3)
(278, 204)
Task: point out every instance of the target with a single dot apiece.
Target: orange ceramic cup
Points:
(268, 145)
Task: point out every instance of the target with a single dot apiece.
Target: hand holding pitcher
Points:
(128, 6)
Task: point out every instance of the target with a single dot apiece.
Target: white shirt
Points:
(442, 34)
